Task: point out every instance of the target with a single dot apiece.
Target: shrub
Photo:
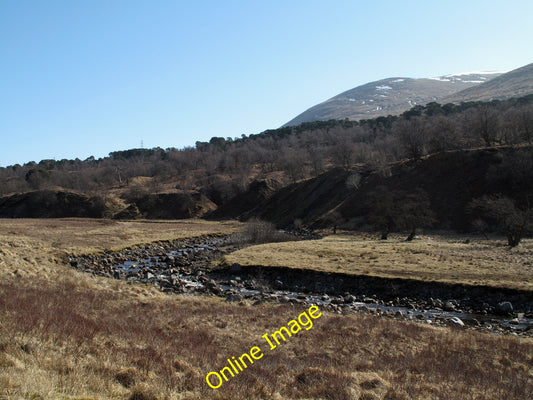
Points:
(257, 231)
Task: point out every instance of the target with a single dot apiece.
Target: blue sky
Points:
(82, 78)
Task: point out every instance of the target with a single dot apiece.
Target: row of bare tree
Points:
(223, 167)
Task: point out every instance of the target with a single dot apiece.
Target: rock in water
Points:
(456, 322)
(349, 298)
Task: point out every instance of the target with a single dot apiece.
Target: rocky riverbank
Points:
(187, 266)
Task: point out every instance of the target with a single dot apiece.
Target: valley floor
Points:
(69, 335)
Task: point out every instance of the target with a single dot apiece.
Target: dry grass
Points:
(429, 258)
(32, 245)
(66, 335)
(64, 340)
(80, 235)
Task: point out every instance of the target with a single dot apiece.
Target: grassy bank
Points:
(428, 258)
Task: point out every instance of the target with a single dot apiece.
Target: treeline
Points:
(223, 167)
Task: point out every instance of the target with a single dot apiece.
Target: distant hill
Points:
(516, 83)
(391, 96)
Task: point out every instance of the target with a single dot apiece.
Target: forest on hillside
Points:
(224, 167)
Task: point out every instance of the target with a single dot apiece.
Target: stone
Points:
(350, 298)
(233, 297)
(436, 303)
(456, 322)
(449, 306)
(148, 275)
(504, 308)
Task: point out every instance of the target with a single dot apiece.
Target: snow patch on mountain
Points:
(477, 73)
(467, 77)
(440, 78)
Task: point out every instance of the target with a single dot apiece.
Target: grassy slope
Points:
(428, 258)
(65, 334)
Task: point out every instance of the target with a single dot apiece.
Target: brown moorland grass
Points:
(32, 245)
(68, 335)
(428, 258)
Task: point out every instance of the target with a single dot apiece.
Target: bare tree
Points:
(399, 210)
(343, 153)
(443, 134)
(501, 213)
(353, 181)
(316, 159)
(484, 122)
(525, 118)
(413, 137)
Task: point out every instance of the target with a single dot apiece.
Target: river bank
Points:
(188, 266)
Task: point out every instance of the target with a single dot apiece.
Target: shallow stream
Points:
(185, 268)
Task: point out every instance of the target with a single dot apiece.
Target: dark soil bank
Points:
(400, 292)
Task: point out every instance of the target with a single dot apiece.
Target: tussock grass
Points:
(428, 258)
(62, 340)
(65, 335)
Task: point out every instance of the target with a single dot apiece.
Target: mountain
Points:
(391, 96)
(516, 83)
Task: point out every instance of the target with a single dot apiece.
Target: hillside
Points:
(451, 180)
(294, 173)
(390, 96)
(516, 83)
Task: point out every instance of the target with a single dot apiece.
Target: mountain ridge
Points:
(515, 83)
(392, 96)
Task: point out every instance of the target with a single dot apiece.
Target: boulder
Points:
(449, 306)
(350, 298)
(456, 322)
